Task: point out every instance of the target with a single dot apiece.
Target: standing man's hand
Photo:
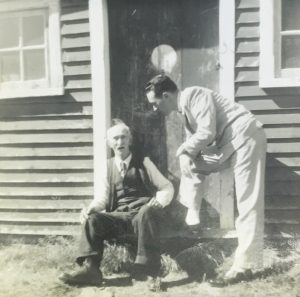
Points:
(154, 203)
(185, 162)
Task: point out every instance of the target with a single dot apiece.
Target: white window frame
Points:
(270, 73)
(54, 85)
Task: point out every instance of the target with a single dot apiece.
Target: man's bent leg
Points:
(146, 226)
(191, 193)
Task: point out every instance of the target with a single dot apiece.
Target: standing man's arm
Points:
(165, 189)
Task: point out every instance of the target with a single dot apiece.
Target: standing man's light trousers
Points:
(248, 163)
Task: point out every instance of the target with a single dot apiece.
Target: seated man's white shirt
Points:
(164, 187)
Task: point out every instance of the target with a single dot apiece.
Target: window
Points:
(30, 53)
(280, 43)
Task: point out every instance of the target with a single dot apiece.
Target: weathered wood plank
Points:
(76, 69)
(43, 217)
(247, 75)
(56, 177)
(290, 215)
(75, 28)
(72, 83)
(282, 174)
(287, 147)
(47, 124)
(46, 191)
(265, 103)
(283, 188)
(243, 4)
(69, 42)
(247, 16)
(280, 118)
(46, 164)
(46, 138)
(247, 61)
(78, 13)
(282, 202)
(286, 132)
(46, 151)
(81, 96)
(280, 229)
(247, 46)
(42, 204)
(76, 56)
(248, 31)
(66, 230)
(275, 161)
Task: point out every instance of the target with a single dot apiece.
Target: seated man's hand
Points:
(154, 203)
(185, 162)
(86, 211)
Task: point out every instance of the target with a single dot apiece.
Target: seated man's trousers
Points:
(144, 224)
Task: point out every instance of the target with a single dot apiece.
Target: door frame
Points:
(99, 36)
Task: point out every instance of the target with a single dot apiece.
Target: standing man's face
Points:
(119, 139)
(164, 105)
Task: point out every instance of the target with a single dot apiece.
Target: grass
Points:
(32, 270)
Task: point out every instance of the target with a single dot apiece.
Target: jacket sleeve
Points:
(202, 109)
(165, 190)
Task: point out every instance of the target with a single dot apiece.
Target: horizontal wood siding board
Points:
(46, 164)
(282, 202)
(78, 82)
(282, 174)
(291, 188)
(260, 102)
(54, 177)
(9, 152)
(42, 217)
(46, 138)
(46, 191)
(76, 56)
(46, 124)
(250, 75)
(66, 4)
(280, 133)
(63, 230)
(283, 147)
(244, 4)
(280, 230)
(74, 13)
(283, 118)
(247, 31)
(247, 61)
(286, 215)
(248, 16)
(75, 28)
(77, 41)
(77, 69)
(279, 161)
(54, 204)
(247, 46)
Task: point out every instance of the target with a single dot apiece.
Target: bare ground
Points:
(32, 270)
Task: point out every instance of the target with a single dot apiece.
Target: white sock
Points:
(192, 217)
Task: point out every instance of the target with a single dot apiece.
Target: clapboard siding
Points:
(46, 146)
(279, 111)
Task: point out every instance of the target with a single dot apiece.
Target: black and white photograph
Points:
(149, 148)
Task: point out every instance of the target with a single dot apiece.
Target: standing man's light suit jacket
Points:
(212, 121)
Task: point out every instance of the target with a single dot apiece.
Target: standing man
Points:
(215, 124)
(133, 194)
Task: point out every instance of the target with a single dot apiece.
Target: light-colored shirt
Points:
(164, 193)
(212, 120)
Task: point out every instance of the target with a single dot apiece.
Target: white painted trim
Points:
(270, 74)
(226, 86)
(100, 67)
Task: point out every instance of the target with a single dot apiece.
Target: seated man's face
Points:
(119, 140)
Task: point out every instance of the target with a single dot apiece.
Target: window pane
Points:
(9, 32)
(34, 64)
(290, 15)
(9, 66)
(291, 52)
(33, 30)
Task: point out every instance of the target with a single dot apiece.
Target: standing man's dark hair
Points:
(160, 84)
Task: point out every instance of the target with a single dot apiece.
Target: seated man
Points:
(134, 194)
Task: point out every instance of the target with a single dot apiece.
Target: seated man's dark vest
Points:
(131, 192)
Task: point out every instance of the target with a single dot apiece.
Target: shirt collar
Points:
(119, 161)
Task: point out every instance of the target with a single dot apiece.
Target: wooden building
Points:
(67, 67)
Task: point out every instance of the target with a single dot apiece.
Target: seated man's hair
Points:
(159, 84)
(116, 121)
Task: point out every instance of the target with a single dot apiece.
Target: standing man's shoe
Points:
(232, 277)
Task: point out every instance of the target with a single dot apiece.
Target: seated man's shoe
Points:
(138, 272)
(232, 277)
(83, 276)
